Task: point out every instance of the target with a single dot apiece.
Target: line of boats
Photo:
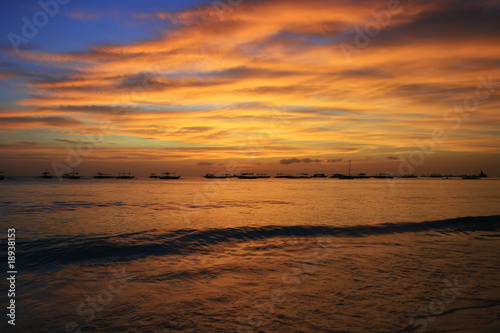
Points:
(251, 175)
(103, 175)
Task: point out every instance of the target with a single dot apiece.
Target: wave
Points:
(52, 252)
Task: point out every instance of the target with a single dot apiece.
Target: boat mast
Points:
(349, 168)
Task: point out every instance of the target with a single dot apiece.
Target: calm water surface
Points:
(80, 207)
(266, 255)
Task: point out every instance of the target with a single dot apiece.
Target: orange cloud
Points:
(272, 76)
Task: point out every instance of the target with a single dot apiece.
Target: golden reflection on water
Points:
(250, 256)
(90, 206)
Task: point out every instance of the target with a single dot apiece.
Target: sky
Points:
(250, 85)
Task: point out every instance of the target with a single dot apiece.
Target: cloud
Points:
(290, 161)
(208, 86)
(52, 121)
(196, 129)
(205, 163)
(393, 158)
(73, 142)
(296, 160)
(11, 70)
(309, 160)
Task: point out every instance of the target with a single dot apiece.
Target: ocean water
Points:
(265, 255)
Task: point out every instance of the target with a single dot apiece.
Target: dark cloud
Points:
(149, 82)
(452, 21)
(310, 160)
(11, 70)
(367, 72)
(55, 76)
(393, 158)
(98, 109)
(290, 161)
(205, 163)
(145, 81)
(249, 72)
(296, 160)
(7, 47)
(278, 90)
(334, 160)
(42, 121)
(216, 135)
(73, 142)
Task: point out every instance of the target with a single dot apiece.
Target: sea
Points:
(250, 255)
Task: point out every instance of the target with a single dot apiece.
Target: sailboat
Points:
(349, 176)
(481, 175)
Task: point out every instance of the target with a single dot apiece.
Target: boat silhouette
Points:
(349, 175)
(213, 176)
(481, 175)
(248, 175)
(124, 175)
(408, 176)
(74, 175)
(319, 175)
(301, 175)
(46, 175)
(101, 175)
(435, 175)
(336, 175)
(361, 176)
(383, 176)
(168, 175)
(283, 175)
(262, 175)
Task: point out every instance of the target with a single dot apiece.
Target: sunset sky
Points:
(272, 85)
